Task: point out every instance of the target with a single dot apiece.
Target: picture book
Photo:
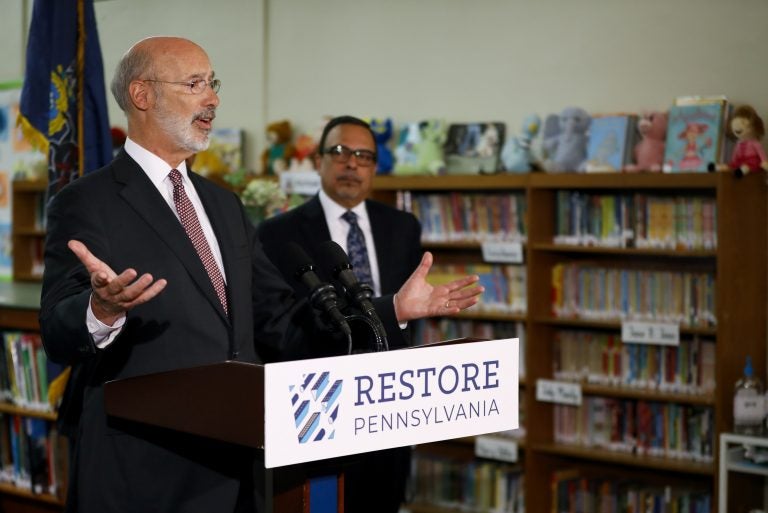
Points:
(473, 148)
(611, 139)
(695, 135)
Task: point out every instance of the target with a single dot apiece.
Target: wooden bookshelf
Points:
(739, 264)
(28, 229)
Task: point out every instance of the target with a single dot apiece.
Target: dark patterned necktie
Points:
(191, 225)
(358, 253)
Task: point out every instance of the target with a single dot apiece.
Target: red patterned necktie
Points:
(191, 225)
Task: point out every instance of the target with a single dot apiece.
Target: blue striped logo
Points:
(314, 400)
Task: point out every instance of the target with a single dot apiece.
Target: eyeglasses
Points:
(341, 155)
(196, 86)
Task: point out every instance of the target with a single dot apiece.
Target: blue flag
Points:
(63, 110)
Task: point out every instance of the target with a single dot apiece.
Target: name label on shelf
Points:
(656, 333)
(503, 252)
(560, 392)
(300, 182)
(496, 448)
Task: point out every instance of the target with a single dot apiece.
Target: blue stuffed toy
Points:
(382, 130)
(565, 140)
(516, 156)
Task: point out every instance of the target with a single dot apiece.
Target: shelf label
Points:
(560, 392)
(657, 333)
(503, 252)
(300, 182)
(496, 448)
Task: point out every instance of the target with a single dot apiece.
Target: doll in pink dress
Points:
(747, 128)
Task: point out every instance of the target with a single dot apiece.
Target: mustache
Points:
(209, 114)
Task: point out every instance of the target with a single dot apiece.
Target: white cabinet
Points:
(733, 459)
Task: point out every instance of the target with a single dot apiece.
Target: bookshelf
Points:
(738, 265)
(19, 306)
(28, 229)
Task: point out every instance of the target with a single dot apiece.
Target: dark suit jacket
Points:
(397, 237)
(119, 215)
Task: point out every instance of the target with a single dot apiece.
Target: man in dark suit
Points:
(346, 162)
(150, 267)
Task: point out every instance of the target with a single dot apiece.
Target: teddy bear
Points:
(748, 155)
(275, 159)
(565, 140)
(649, 150)
(382, 130)
(516, 156)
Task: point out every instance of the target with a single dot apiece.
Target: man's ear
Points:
(141, 94)
(317, 158)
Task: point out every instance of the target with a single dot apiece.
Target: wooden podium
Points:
(230, 401)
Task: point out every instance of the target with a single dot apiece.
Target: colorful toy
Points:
(649, 151)
(427, 155)
(748, 155)
(565, 140)
(516, 156)
(275, 159)
(382, 129)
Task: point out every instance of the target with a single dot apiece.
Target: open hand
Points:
(114, 294)
(417, 299)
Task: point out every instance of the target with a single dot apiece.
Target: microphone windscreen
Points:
(333, 256)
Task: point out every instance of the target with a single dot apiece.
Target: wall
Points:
(459, 60)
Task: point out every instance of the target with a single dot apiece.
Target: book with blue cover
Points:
(695, 135)
(611, 139)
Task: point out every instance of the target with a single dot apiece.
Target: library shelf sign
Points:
(328, 407)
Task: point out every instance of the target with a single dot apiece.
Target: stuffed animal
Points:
(748, 156)
(427, 153)
(382, 129)
(565, 140)
(275, 159)
(649, 151)
(516, 156)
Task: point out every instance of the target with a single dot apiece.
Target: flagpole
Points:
(81, 85)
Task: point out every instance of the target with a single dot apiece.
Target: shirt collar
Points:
(334, 211)
(156, 168)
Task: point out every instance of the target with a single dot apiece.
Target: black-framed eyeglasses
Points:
(195, 86)
(341, 155)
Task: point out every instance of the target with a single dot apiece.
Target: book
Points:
(611, 139)
(696, 135)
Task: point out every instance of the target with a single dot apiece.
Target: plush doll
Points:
(426, 155)
(649, 151)
(748, 156)
(275, 159)
(565, 140)
(382, 129)
(516, 156)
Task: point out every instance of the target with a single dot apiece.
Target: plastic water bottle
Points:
(748, 403)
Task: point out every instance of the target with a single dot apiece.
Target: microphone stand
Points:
(379, 334)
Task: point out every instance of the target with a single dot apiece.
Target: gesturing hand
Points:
(417, 298)
(114, 294)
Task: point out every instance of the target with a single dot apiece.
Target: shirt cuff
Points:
(102, 334)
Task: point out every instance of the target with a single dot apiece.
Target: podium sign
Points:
(329, 407)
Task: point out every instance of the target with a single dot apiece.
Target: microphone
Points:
(321, 295)
(360, 293)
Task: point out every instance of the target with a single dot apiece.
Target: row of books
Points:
(33, 456)
(572, 492)
(639, 220)
(25, 371)
(467, 485)
(447, 328)
(458, 216)
(640, 427)
(602, 358)
(590, 292)
(505, 285)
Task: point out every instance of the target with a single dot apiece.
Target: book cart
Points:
(649, 418)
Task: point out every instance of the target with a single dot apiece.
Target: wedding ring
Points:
(448, 304)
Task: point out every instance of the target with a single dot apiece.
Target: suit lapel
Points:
(383, 234)
(314, 227)
(143, 197)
